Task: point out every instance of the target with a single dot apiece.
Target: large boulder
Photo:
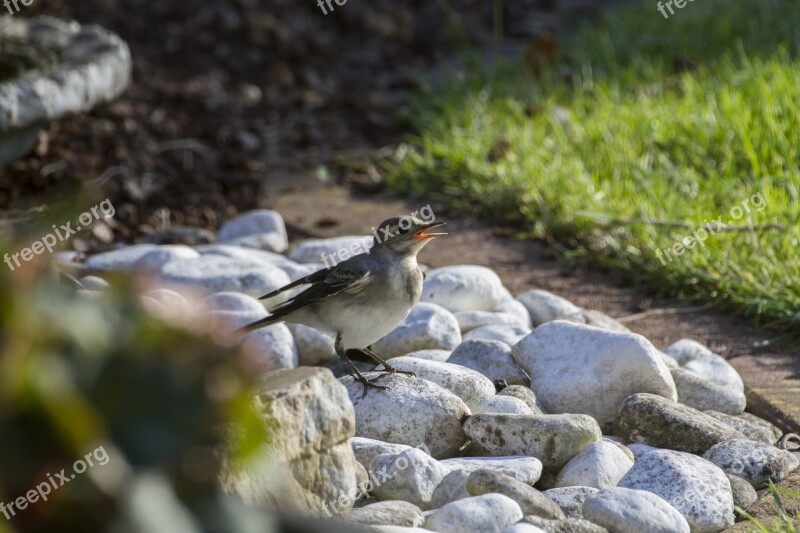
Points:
(583, 369)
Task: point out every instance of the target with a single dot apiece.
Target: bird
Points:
(363, 298)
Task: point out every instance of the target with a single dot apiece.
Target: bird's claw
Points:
(392, 370)
(371, 384)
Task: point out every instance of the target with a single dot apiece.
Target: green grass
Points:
(783, 522)
(618, 149)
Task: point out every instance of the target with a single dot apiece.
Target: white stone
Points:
(633, 511)
(705, 395)
(600, 465)
(697, 488)
(491, 358)
(313, 346)
(336, 249)
(571, 499)
(94, 283)
(431, 355)
(638, 449)
(392, 512)
(686, 350)
(366, 449)
(410, 476)
(235, 301)
(583, 369)
(515, 308)
(753, 461)
(251, 255)
(428, 326)
(501, 404)
(717, 370)
(509, 335)
(490, 513)
(522, 527)
(520, 467)
(421, 412)
(465, 383)
(218, 274)
(262, 222)
(269, 348)
(153, 259)
(545, 306)
(122, 259)
(464, 288)
(469, 320)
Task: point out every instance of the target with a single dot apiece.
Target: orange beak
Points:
(423, 234)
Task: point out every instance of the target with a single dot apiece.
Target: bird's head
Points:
(405, 235)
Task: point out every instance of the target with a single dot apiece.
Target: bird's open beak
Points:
(423, 234)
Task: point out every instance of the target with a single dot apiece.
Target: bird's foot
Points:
(371, 385)
(388, 369)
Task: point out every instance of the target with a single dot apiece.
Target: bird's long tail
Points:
(266, 321)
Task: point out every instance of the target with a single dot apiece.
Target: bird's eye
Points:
(402, 231)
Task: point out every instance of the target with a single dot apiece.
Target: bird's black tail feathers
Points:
(266, 321)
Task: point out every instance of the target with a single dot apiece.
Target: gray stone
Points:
(633, 511)
(753, 427)
(464, 288)
(524, 469)
(744, 495)
(530, 500)
(410, 476)
(583, 369)
(653, 420)
(598, 320)
(267, 225)
(553, 439)
(697, 488)
(600, 465)
(430, 415)
(525, 394)
(452, 487)
(704, 395)
(491, 358)
(523, 527)
(365, 450)
(465, 383)
(640, 449)
(428, 326)
(489, 513)
(570, 499)
(390, 512)
(756, 462)
(502, 404)
(509, 335)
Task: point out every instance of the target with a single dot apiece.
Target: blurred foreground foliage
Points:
(78, 372)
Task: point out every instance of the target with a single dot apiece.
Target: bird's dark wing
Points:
(350, 278)
(317, 276)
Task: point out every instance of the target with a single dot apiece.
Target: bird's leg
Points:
(386, 366)
(353, 369)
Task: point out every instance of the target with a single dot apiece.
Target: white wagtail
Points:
(363, 298)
